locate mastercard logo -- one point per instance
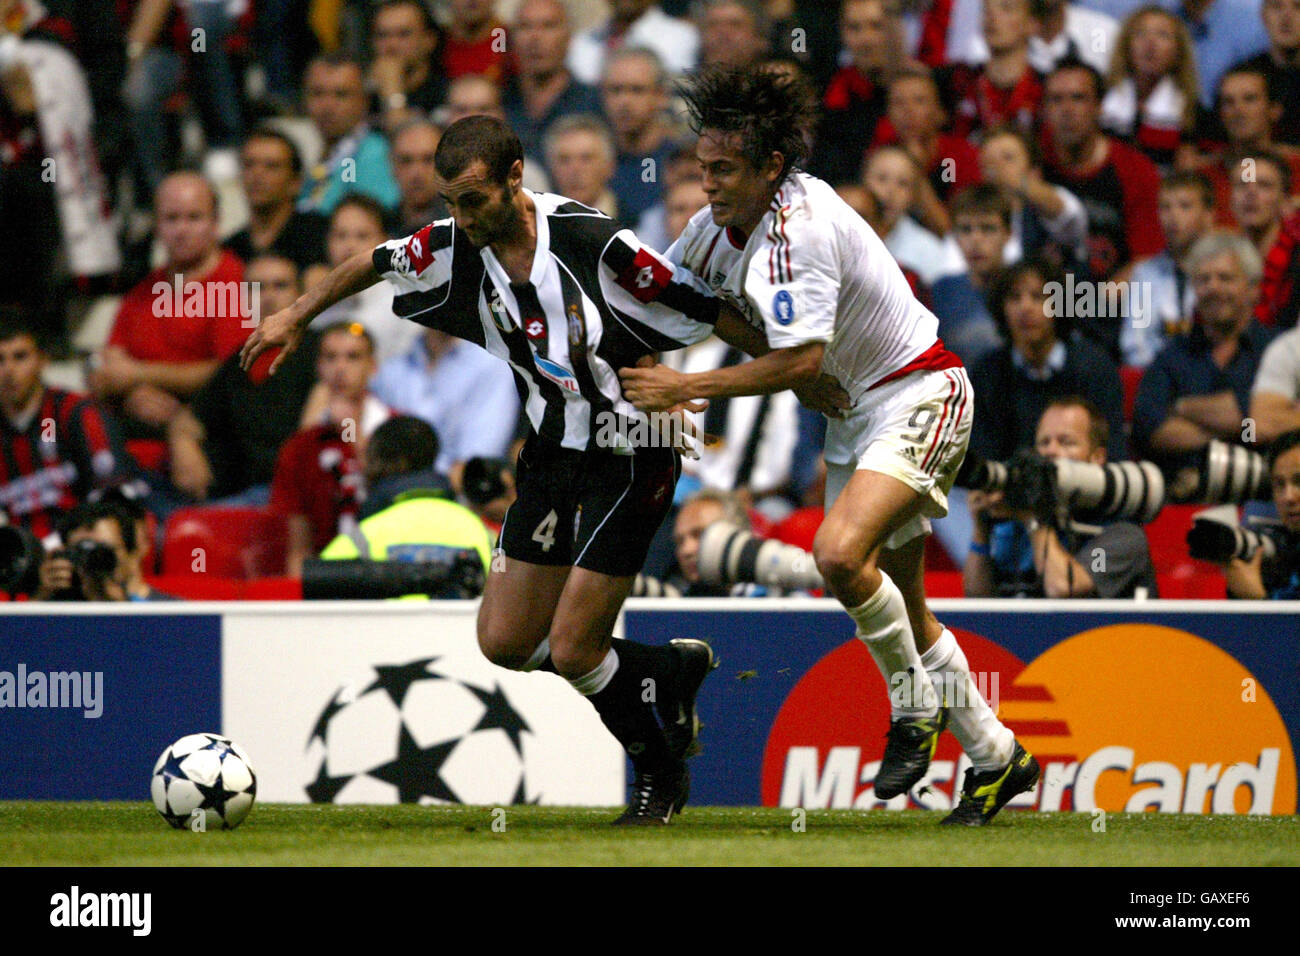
(1128, 717)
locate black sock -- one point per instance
(630, 717)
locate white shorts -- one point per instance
(915, 429)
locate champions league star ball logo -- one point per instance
(415, 736)
(401, 262)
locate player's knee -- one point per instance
(498, 647)
(838, 561)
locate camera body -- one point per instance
(1210, 539)
(22, 554)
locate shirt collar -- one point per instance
(1055, 363)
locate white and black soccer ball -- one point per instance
(414, 735)
(202, 782)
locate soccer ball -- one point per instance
(204, 781)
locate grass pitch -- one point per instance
(132, 834)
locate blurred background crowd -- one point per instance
(1097, 199)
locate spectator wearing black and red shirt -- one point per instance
(1006, 90)
(55, 446)
(1281, 63)
(1117, 184)
(854, 101)
(1261, 183)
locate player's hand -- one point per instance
(277, 331)
(654, 388)
(687, 436)
(56, 574)
(825, 395)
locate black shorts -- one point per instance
(594, 509)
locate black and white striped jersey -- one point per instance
(597, 300)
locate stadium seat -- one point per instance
(239, 543)
(196, 587)
(799, 528)
(943, 584)
(1131, 376)
(272, 589)
(149, 454)
(1167, 537)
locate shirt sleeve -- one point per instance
(1155, 397)
(794, 283)
(670, 306)
(431, 287)
(1279, 370)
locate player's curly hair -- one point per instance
(771, 110)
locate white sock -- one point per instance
(598, 679)
(539, 656)
(883, 626)
(987, 741)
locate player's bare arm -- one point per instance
(284, 329)
(659, 387)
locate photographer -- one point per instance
(1013, 554)
(1279, 579)
(101, 560)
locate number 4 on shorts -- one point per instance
(545, 533)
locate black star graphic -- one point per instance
(325, 788)
(326, 715)
(500, 715)
(396, 679)
(415, 771)
(172, 768)
(215, 796)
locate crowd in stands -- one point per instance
(1099, 200)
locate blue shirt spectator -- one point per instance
(965, 325)
(467, 396)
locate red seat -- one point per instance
(799, 527)
(943, 584)
(273, 589)
(1167, 537)
(236, 543)
(150, 454)
(1131, 376)
(196, 587)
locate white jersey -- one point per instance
(814, 271)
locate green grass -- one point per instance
(132, 834)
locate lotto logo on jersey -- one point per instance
(645, 277)
(783, 307)
(418, 251)
(535, 329)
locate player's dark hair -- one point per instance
(90, 513)
(1004, 283)
(1072, 62)
(401, 445)
(270, 132)
(982, 199)
(1191, 179)
(1281, 445)
(348, 327)
(1098, 427)
(773, 113)
(478, 138)
(16, 322)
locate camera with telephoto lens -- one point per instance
(1057, 488)
(458, 574)
(730, 554)
(1219, 541)
(1223, 474)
